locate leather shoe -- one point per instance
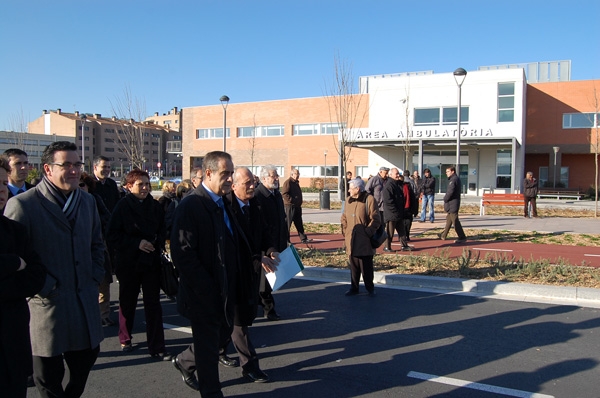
(228, 362)
(272, 316)
(372, 293)
(305, 241)
(460, 240)
(256, 376)
(351, 292)
(385, 249)
(108, 322)
(162, 356)
(189, 378)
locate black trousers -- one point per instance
(294, 214)
(265, 293)
(391, 228)
(48, 372)
(209, 336)
(244, 347)
(361, 265)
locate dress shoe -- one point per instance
(162, 356)
(256, 376)
(305, 241)
(228, 362)
(189, 378)
(351, 292)
(406, 249)
(385, 249)
(108, 322)
(372, 293)
(272, 316)
(128, 347)
(460, 240)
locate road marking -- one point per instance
(492, 250)
(477, 386)
(177, 328)
(592, 255)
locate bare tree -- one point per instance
(595, 144)
(253, 144)
(345, 110)
(407, 138)
(17, 128)
(130, 138)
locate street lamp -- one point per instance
(325, 169)
(83, 120)
(459, 76)
(224, 101)
(556, 149)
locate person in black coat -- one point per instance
(22, 275)
(452, 206)
(136, 232)
(393, 209)
(271, 206)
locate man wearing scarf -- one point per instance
(65, 229)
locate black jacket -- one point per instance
(109, 192)
(428, 186)
(452, 197)
(393, 201)
(530, 188)
(272, 209)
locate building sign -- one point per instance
(362, 135)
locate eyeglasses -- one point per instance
(68, 165)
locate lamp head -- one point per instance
(556, 149)
(459, 76)
(224, 100)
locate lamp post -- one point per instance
(459, 76)
(325, 169)
(556, 149)
(83, 120)
(224, 101)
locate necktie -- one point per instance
(246, 211)
(21, 190)
(225, 216)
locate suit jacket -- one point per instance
(28, 186)
(109, 192)
(15, 287)
(271, 206)
(198, 253)
(64, 315)
(252, 247)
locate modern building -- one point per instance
(33, 144)
(111, 137)
(409, 121)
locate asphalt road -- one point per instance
(399, 344)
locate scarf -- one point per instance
(69, 204)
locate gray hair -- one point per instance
(358, 183)
(266, 170)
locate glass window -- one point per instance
(272, 131)
(305, 129)
(543, 173)
(579, 120)
(306, 171)
(449, 115)
(506, 102)
(246, 131)
(503, 168)
(564, 177)
(362, 172)
(330, 128)
(428, 116)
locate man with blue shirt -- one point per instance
(19, 170)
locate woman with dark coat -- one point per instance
(136, 232)
(22, 275)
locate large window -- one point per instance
(427, 116)
(580, 120)
(210, 133)
(447, 115)
(260, 131)
(506, 102)
(317, 171)
(316, 129)
(503, 168)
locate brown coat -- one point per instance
(360, 220)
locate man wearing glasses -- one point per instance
(65, 229)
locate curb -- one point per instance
(578, 296)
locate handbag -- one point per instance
(380, 235)
(169, 277)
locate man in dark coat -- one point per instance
(393, 209)
(530, 191)
(452, 206)
(271, 206)
(292, 201)
(106, 187)
(22, 275)
(375, 187)
(205, 250)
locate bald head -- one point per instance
(243, 184)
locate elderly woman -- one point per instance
(21, 275)
(136, 232)
(360, 221)
(88, 184)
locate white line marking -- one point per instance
(476, 386)
(492, 250)
(592, 255)
(177, 328)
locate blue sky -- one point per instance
(80, 55)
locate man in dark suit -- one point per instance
(105, 187)
(19, 170)
(271, 206)
(204, 248)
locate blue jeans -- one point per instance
(427, 199)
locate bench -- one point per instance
(560, 193)
(500, 199)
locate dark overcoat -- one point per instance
(271, 206)
(393, 201)
(452, 197)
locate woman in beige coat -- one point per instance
(360, 220)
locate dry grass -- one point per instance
(496, 267)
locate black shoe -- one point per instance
(421, 221)
(228, 362)
(30, 382)
(372, 293)
(385, 249)
(272, 316)
(305, 240)
(460, 240)
(162, 356)
(351, 292)
(406, 248)
(108, 322)
(256, 376)
(127, 347)
(189, 378)
(432, 221)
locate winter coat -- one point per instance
(360, 221)
(375, 187)
(530, 188)
(291, 193)
(428, 186)
(393, 201)
(452, 197)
